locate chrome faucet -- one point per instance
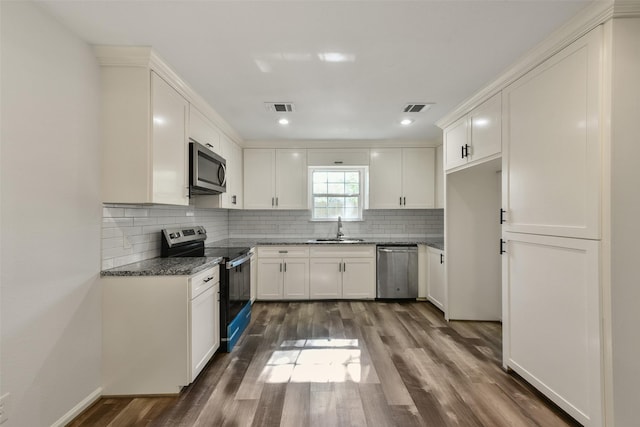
(340, 234)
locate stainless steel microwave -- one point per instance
(207, 170)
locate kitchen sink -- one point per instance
(336, 240)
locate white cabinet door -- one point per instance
(551, 328)
(259, 178)
(169, 144)
(435, 282)
(253, 272)
(203, 131)
(205, 330)
(270, 278)
(358, 278)
(385, 178)
(418, 178)
(325, 278)
(291, 179)
(439, 177)
(552, 144)
(296, 278)
(486, 129)
(456, 137)
(235, 175)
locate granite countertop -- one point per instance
(164, 267)
(436, 242)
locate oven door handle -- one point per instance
(238, 261)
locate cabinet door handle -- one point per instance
(462, 152)
(441, 258)
(344, 267)
(502, 251)
(209, 145)
(276, 201)
(400, 201)
(280, 267)
(233, 200)
(502, 212)
(340, 267)
(404, 201)
(285, 267)
(273, 202)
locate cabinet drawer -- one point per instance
(283, 251)
(340, 251)
(202, 281)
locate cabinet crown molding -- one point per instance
(590, 17)
(147, 57)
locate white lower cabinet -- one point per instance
(283, 272)
(345, 272)
(551, 328)
(158, 331)
(435, 283)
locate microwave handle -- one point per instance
(223, 168)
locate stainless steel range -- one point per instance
(235, 278)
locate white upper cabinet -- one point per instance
(275, 179)
(235, 176)
(170, 160)
(402, 178)
(475, 137)
(203, 131)
(144, 122)
(148, 115)
(551, 163)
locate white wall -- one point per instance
(51, 214)
(625, 198)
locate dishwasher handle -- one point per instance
(398, 249)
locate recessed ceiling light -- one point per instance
(406, 122)
(283, 121)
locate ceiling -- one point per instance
(349, 67)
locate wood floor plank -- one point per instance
(347, 363)
(296, 409)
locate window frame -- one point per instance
(362, 196)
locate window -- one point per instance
(336, 192)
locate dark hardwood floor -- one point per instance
(342, 363)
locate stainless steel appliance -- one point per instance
(207, 170)
(397, 275)
(235, 277)
(235, 292)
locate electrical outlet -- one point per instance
(127, 243)
(4, 408)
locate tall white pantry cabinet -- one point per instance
(570, 129)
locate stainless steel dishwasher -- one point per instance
(397, 275)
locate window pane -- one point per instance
(351, 213)
(335, 176)
(319, 188)
(335, 212)
(321, 212)
(352, 177)
(320, 202)
(319, 177)
(336, 188)
(345, 185)
(352, 188)
(336, 202)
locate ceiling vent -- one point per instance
(417, 107)
(280, 107)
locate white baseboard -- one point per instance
(77, 410)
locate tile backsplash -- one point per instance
(131, 233)
(376, 223)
